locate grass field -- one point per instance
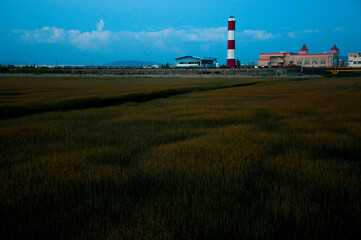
(26, 95)
(216, 159)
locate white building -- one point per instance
(354, 59)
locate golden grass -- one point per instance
(40, 90)
(278, 160)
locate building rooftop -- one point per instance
(304, 48)
(188, 57)
(334, 47)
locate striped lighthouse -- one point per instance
(231, 62)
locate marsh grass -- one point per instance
(44, 94)
(279, 160)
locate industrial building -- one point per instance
(354, 59)
(195, 62)
(303, 58)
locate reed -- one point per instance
(276, 160)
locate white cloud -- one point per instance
(82, 40)
(160, 44)
(192, 35)
(169, 39)
(205, 34)
(291, 35)
(310, 30)
(338, 29)
(259, 34)
(205, 47)
(100, 38)
(295, 34)
(87, 40)
(100, 25)
(45, 34)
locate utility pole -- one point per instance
(57, 62)
(85, 59)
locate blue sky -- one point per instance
(161, 30)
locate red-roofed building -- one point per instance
(303, 58)
(304, 49)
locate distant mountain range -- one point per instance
(131, 63)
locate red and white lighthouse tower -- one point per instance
(231, 62)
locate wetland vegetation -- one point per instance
(222, 158)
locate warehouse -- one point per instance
(195, 62)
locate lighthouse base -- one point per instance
(231, 63)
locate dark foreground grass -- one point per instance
(275, 161)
